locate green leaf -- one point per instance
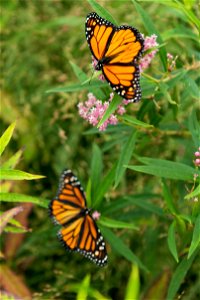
(96, 170)
(151, 29)
(78, 72)
(14, 229)
(145, 205)
(111, 109)
(94, 84)
(179, 275)
(194, 193)
(8, 215)
(14, 222)
(125, 156)
(133, 286)
(188, 13)
(88, 192)
(195, 238)
(107, 222)
(17, 175)
(5, 138)
(194, 128)
(165, 169)
(83, 288)
(172, 241)
(102, 11)
(105, 186)
(13, 160)
(82, 76)
(134, 122)
(168, 197)
(164, 89)
(118, 245)
(181, 32)
(15, 197)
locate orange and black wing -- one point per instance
(84, 237)
(122, 71)
(79, 231)
(117, 50)
(70, 201)
(98, 34)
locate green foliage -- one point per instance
(140, 174)
(133, 286)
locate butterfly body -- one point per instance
(117, 50)
(79, 232)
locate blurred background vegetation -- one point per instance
(40, 40)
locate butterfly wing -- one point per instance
(98, 33)
(83, 236)
(70, 201)
(117, 50)
(79, 231)
(122, 71)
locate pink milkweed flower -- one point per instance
(93, 110)
(197, 159)
(149, 42)
(171, 60)
(197, 162)
(96, 215)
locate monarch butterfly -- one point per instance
(79, 232)
(116, 50)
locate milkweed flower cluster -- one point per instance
(149, 42)
(197, 158)
(93, 110)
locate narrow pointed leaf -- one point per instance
(151, 29)
(107, 222)
(125, 156)
(133, 286)
(172, 241)
(96, 170)
(179, 275)
(195, 238)
(15, 197)
(102, 11)
(17, 175)
(135, 122)
(8, 215)
(104, 187)
(13, 160)
(5, 138)
(111, 109)
(118, 245)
